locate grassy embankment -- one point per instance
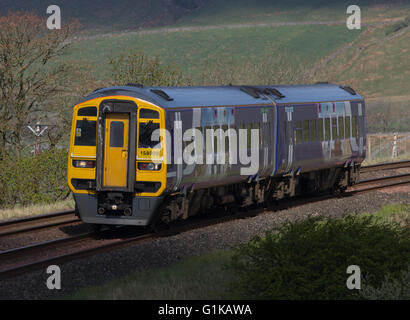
(19, 211)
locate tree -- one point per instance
(30, 72)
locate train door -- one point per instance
(116, 149)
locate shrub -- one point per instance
(390, 289)
(308, 259)
(34, 180)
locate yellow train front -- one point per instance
(115, 175)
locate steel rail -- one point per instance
(386, 166)
(32, 223)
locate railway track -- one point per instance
(386, 166)
(33, 223)
(20, 260)
(65, 217)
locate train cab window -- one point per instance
(117, 134)
(85, 133)
(341, 128)
(354, 126)
(334, 128)
(305, 130)
(146, 130)
(347, 126)
(149, 114)
(320, 129)
(327, 129)
(313, 130)
(87, 112)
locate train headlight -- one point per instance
(84, 164)
(149, 166)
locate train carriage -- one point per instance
(136, 158)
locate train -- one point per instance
(144, 155)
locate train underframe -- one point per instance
(260, 192)
(264, 192)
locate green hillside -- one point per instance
(377, 63)
(191, 50)
(107, 15)
(216, 12)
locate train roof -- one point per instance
(176, 97)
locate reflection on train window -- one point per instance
(305, 130)
(149, 114)
(327, 129)
(85, 133)
(87, 111)
(354, 126)
(146, 130)
(116, 134)
(334, 128)
(347, 125)
(313, 130)
(320, 129)
(341, 128)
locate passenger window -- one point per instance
(305, 130)
(216, 138)
(354, 126)
(256, 126)
(320, 129)
(149, 114)
(225, 137)
(347, 125)
(248, 131)
(313, 130)
(85, 133)
(334, 128)
(298, 132)
(327, 129)
(341, 128)
(117, 134)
